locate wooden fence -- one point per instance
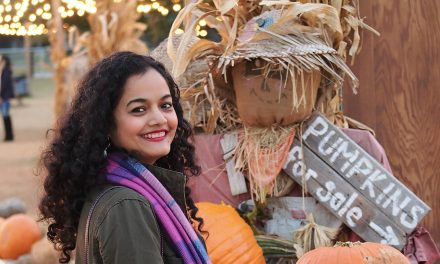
(399, 94)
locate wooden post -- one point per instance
(58, 54)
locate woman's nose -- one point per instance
(157, 117)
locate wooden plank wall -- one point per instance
(399, 95)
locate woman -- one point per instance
(116, 185)
(6, 93)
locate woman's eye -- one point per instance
(138, 110)
(167, 106)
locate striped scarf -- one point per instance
(125, 171)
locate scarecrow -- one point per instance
(270, 65)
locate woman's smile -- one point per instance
(155, 136)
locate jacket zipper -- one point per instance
(160, 234)
(184, 199)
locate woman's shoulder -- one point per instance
(106, 197)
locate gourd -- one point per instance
(353, 253)
(230, 238)
(17, 235)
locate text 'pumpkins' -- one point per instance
(354, 253)
(17, 235)
(230, 239)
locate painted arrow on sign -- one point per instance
(388, 234)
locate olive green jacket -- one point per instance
(123, 227)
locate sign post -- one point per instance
(353, 185)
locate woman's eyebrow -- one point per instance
(137, 100)
(144, 100)
(166, 97)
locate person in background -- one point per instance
(6, 93)
(117, 169)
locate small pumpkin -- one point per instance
(354, 253)
(230, 239)
(17, 235)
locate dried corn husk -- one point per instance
(114, 28)
(312, 236)
(352, 25)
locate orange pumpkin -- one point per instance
(230, 239)
(353, 253)
(17, 235)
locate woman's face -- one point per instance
(145, 118)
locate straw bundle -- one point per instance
(262, 152)
(114, 28)
(313, 236)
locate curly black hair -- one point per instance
(74, 159)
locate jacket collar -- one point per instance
(173, 181)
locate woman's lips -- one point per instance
(155, 136)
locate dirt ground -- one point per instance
(19, 159)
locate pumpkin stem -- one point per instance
(347, 244)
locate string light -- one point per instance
(29, 17)
(155, 5)
(177, 7)
(179, 31)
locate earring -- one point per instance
(105, 150)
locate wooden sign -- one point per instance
(353, 185)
